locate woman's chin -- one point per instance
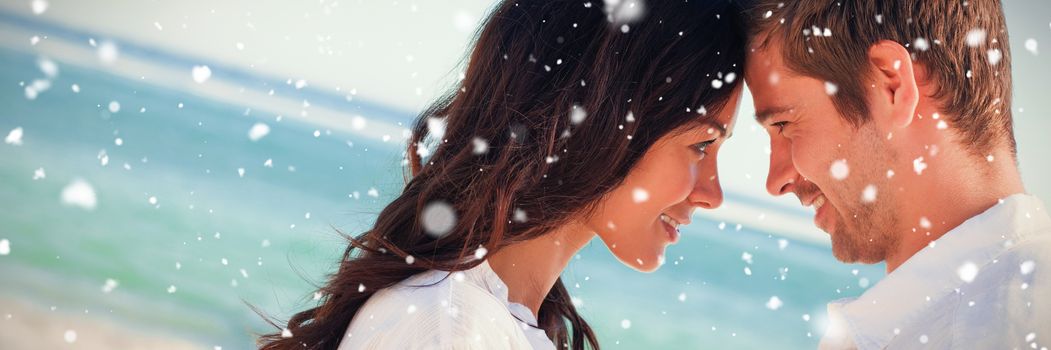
(643, 264)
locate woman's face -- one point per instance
(638, 219)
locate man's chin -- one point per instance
(851, 255)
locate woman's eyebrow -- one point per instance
(711, 125)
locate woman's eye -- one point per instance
(780, 126)
(702, 147)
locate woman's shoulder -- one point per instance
(438, 309)
(433, 290)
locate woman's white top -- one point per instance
(438, 310)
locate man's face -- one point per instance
(843, 171)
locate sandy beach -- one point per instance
(27, 325)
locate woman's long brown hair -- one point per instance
(532, 63)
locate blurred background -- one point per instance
(166, 162)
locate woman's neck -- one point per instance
(530, 269)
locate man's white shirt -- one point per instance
(984, 285)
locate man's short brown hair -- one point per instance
(962, 43)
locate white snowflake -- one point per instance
(918, 165)
(48, 67)
(774, 303)
(831, 88)
(577, 115)
(839, 169)
(107, 52)
(869, 194)
(14, 137)
(201, 74)
(640, 195)
(258, 131)
(110, 285)
(79, 193)
(438, 218)
(39, 6)
(967, 271)
(1027, 267)
(976, 37)
(358, 122)
(70, 336)
(480, 146)
(994, 56)
(520, 216)
(921, 44)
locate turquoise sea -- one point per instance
(188, 240)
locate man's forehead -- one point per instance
(763, 60)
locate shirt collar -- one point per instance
(484, 276)
(872, 319)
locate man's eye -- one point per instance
(780, 126)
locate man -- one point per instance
(893, 120)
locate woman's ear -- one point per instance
(894, 77)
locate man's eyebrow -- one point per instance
(766, 113)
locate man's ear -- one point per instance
(894, 77)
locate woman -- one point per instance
(574, 119)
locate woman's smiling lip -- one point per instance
(670, 225)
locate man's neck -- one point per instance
(530, 269)
(954, 188)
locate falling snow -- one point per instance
(480, 146)
(577, 115)
(639, 195)
(438, 218)
(839, 169)
(108, 52)
(967, 271)
(79, 193)
(925, 223)
(1027, 267)
(921, 44)
(831, 88)
(39, 6)
(70, 336)
(14, 137)
(110, 285)
(918, 166)
(994, 56)
(774, 303)
(975, 37)
(868, 195)
(201, 74)
(258, 131)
